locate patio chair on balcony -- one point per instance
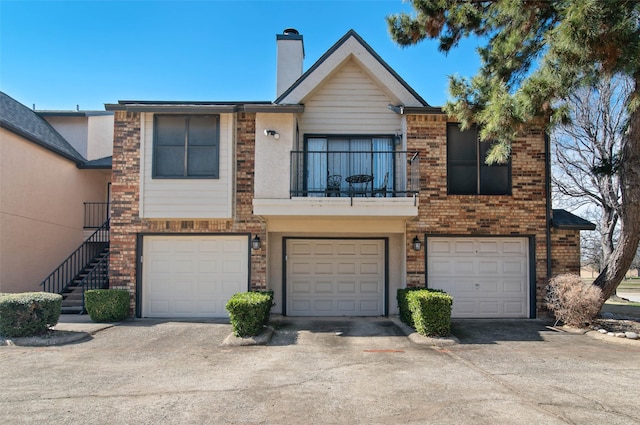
(382, 190)
(333, 185)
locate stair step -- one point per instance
(72, 310)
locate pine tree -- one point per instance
(535, 53)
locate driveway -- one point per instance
(330, 371)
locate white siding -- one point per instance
(349, 103)
(187, 198)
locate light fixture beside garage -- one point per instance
(417, 244)
(273, 133)
(255, 242)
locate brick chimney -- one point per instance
(289, 62)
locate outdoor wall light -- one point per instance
(255, 242)
(417, 244)
(272, 133)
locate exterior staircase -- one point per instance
(86, 268)
(94, 275)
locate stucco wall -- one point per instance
(75, 130)
(41, 210)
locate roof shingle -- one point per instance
(21, 120)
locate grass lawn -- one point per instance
(629, 285)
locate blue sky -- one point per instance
(59, 54)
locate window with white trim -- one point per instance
(186, 146)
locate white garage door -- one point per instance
(192, 276)
(335, 277)
(487, 277)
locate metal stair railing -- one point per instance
(98, 278)
(65, 274)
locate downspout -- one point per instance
(547, 166)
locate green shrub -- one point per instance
(249, 312)
(403, 304)
(107, 305)
(29, 313)
(428, 311)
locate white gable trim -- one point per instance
(351, 45)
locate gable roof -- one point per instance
(19, 119)
(351, 45)
(563, 219)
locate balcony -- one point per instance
(348, 183)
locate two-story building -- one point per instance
(55, 172)
(345, 188)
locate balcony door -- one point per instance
(337, 158)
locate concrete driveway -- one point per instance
(329, 371)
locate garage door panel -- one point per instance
(348, 248)
(514, 267)
(370, 307)
(440, 267)
(373, 249)
(515, 307)
(370, 268)
(301, 287)
(514, 286)
(347, 268)
(351, 273)
(207, 267)
(487, 277)
(464, 247)
(208, 246)
(192, 276)
(323, 288)
(323, 268)
(183, 246)
(346, 307)
(489, 307)
(300, 248)
(462, 267)
(370, 287)
(514, 247)
(345, 287)
(488, 267)
(159, 307)
(325, 306)
(488, 247)
(465, 307)
(323, 249)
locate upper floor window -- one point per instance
(186, 146)
(467, 172)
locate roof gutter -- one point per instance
(547, 172)
(201, 107)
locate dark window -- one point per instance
(467, 172)
(346, 156)
(186, 146)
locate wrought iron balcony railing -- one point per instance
(378, 174)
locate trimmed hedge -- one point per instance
(249, 312)
(29, 313)
(426, 310)
(107, 305)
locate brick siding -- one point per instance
(523, 213)
(126, 223)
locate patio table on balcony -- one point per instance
(358, 184)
